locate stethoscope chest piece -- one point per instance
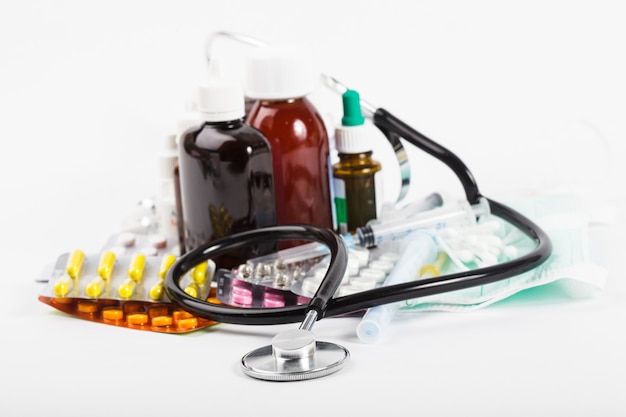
(294, 355)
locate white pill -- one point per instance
(126, 239)
(361, 254)
(389, 256)
(348, 290)
(353, 266)
(157, 241)
(378, 275)
(363, 283)
(149, 251)
(382, 265)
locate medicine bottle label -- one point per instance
(357, 201)
(341, 210)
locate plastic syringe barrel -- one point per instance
(418, 249)
(459, 214)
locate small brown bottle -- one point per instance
(356, 178)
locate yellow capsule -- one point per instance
(156, 292)
(126, 289)
(106, 265)
(166, 263)
(74, 264)
(95, 287)
(135, 269)
(62, 287)
(198, 274)
(192, 290)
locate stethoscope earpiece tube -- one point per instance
(387, 122)
(281, 315)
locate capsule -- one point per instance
(106, 265)
(136, 267)
(156, 292)
(166, 263)
(198, 275)
(74, 264)
(95, 287)
(192, 290)
(127, 288)
(63, 287)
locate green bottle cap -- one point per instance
(352, 115)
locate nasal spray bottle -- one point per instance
(356, 177)
(226, 175)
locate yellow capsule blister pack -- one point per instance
(126, 290)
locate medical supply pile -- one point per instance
(245, 165)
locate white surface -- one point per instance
(530, 94)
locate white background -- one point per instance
(530, 94)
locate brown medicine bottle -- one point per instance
(226, 178)
(356, 177)
(280, 78)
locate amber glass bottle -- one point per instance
(357, 184)
(279, 79)
(226, 178)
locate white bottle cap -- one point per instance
(220, 100)
(355, 134)
(354, 139)
(280, 72)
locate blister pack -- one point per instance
(292, 276)
(126, 290)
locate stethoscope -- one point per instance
(295, 354)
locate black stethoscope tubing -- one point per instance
(322, 302)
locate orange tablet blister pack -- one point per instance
(126, 291)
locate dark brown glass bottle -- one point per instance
(226, 183)
(226, 174)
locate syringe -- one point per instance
(418, 249)
(456, 214)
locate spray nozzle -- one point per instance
(352, 115)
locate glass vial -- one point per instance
(356, 180)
